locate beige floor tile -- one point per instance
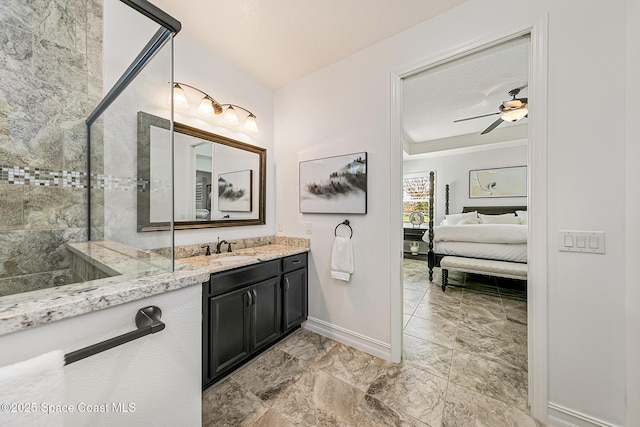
(306, 345)
(229, 404)
(464, 408)
(500, 350)
(350, 365)
(269, 374)
(411, 391)
(441, 332)
(427, 356)
(319, 399)
(431, 311)
(271, 418)
(489, 378)
(373, 413)
(409, 306)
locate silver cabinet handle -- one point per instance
(297, 261)
(286, 284)
(255, 297)
(250, 300)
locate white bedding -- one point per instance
(505, 242)
(514, 252)
(480, 233)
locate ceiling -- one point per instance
(470, 86)
(278, 41)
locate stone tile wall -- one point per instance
(50, 80)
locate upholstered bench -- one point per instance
(489, 267)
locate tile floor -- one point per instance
(464, 364)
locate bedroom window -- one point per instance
(415, 195)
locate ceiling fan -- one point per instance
(510, 111)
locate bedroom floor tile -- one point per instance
(458, 369)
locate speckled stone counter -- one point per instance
(242, 257)
(143, 275)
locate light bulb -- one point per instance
(206, 107)
(179, 98)
(230, 116)
(514, 115)
(250, 124)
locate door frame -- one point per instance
(537, 198)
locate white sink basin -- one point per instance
(232, 258)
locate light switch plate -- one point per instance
(581, 241)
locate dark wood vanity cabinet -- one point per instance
(247, 309)
(294, 291)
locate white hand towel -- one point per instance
(342, 259)
(38, 381)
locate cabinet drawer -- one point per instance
(229, 280)
(294, 262)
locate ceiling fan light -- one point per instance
(511, 104)
(514, 115)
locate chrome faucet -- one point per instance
(220, 243)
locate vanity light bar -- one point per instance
(210, 107)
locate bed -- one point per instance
(479, 232)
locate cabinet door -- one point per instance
(294, 285)
(265, 313)
(229, 329)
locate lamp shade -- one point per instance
(250, 124)
(206, 107)
(230, 116)
(179, 98)
(514, 115)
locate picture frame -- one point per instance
(334, 185)
(235, 191)
(498, 182)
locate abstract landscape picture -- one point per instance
(234, 191)
(334, 185)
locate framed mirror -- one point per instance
(218, 181)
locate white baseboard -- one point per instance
(353, 339)
(559, 416)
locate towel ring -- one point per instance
(345, 222)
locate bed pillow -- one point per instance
(499, 219)
(457, 219)
(524, 217)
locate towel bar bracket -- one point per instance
(147, 321)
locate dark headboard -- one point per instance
(494, 210)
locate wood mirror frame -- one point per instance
(145, 123)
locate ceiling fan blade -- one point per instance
(492, 126)
(476, 117)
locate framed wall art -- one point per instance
(498, 182)
(334, 184)
(234, 191)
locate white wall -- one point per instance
(633, 207)
(346, 108)
(226, 84)
(453, 169)
(159, 373)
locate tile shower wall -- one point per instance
(50, 80)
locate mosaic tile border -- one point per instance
(29, 175)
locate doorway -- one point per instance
(536, 200)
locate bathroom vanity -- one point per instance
(247, 309)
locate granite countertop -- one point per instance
(212, 263)
(136, 274)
